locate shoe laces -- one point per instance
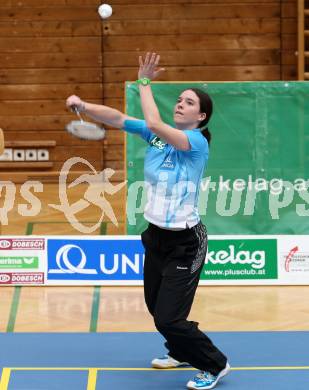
(166, 357)
(204, 376)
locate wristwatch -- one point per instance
(143, 81)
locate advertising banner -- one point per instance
(22, 261)
(118, 260)
(230, 260)
(98, 260)
(257, 260)
(293, 260)
(257, 177)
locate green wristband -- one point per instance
(143, 81)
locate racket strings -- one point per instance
(85, 130)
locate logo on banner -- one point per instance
(22, 278)
(4, 278)
(241, 259)
(19, 262)
(22, 244)
(295, 260)
(65, 265)
(95, 259)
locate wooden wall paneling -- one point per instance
(61, 137)
(91, 153)
(289, 72)
(114, 137)
(198, 11)
(288, 26)
(50, 76)
(47, 13)
(115, 90)
(50, 50)
(153, 2)
(190, 43)
(262, 56)
(213, 73)
(289, 9)
(262, 25)
(116, 165)
(50, 45)
(289, 39)
(51, 92)
(34, 107)
(115, 153)
(53, 60)
(54, 3)
(53, 28)
(58, 165)
(36, 123)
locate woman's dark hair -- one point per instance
(205, 107)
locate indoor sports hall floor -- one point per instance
(102, 338)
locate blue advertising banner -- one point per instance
(78, 260)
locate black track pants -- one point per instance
(173, 263)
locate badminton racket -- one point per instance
(83, 129)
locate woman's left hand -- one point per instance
(149, 66)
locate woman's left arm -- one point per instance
(148, 69)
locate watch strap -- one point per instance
(143, 81)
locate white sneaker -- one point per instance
(205, 380)
(167, 362)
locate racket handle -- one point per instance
(75, 109)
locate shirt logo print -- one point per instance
(168, 163)
(157, 143)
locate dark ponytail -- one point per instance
(205, 107)
(207, 134)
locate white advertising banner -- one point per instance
(293, 260)
(118, 260)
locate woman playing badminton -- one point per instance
(175, 241)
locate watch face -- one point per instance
(145, 82)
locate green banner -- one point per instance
(241, 259)
(257, 178)
(14, 262)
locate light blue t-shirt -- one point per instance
(172, 177)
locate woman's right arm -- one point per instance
(99, 113)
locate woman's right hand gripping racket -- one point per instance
(82, 129)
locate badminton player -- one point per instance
(176, 240)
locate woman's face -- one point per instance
(187, 111)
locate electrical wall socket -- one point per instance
(43, 155)
(19, 155)
(7, 155)
(31, 155)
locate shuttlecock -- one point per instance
(105, 11)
